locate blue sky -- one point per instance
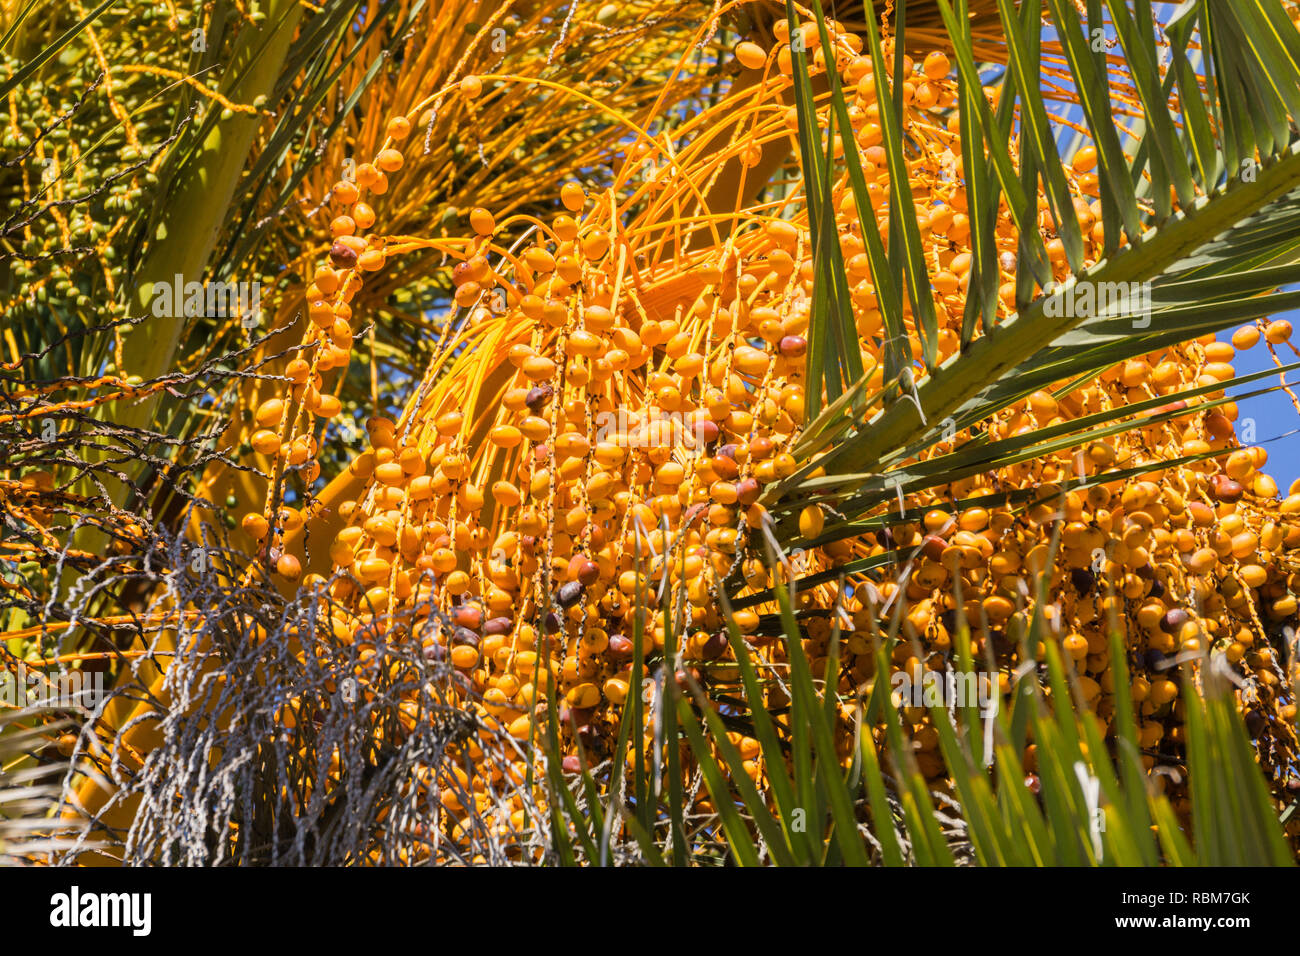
(1276, 419)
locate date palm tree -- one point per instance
(234, 130)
